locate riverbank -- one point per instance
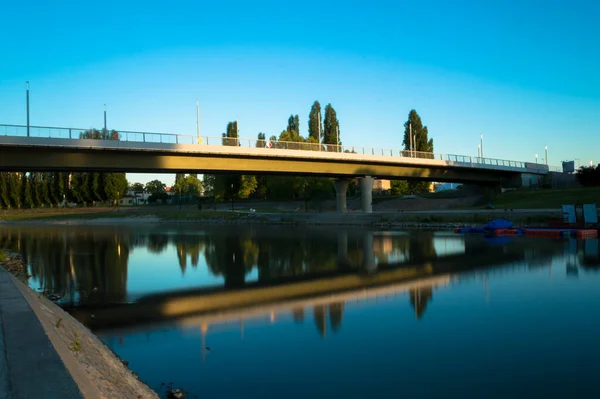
(96, 370)
(440, 219)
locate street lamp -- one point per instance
(104, 117)
(536, 158)
(231, 196)
(27, 99)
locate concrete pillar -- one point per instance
(366, 190)
(341, 186)
(368, 257)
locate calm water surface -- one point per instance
(250, 312)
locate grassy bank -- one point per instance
(547, 198)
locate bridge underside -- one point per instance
(24, 158)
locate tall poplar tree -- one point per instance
(330, 128)
(313, 123)
(422, 146)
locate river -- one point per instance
(299, 312)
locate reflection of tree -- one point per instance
(188, 245)
(157, 243)
(336, 311)
(419, 297)
(421, 247)
(320, 319)
(298, 315)
(232, 257)
(92, 263)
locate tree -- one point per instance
(314, 122)
(4, 190)
(58, 187)
(155, 187)
(193, 186)
(331, 128)
(15, 189)
(137, 187)
(27, 197)
(588, 176)
(230, 137)
(423, 146)
(46, 188)
(247, 187)
(36, 188)
(293, 128)
(260, 141)
(422, 142)
(399, 187)
(115, 186)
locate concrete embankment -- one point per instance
(45, 353)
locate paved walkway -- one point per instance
(29, 365)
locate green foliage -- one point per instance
(46, 188)
(4, 190)
(331, 126)
(3, 256)
(15, 189)
(588, 176)
(36, 188)
(155, 187)
(137, 187)
(27, 195)
(188, 186)
(422, 144)
(230, 137)
(285, 187)
(248, 186)
(313, 122)
(400, 187)
(115, 186)
(293, 128)
(260, 141)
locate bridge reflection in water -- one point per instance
(291, 269)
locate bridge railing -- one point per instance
(170, 138)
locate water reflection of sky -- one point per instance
(152, 273)
(520, 332)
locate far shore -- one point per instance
(191, 215)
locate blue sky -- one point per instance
(523, 73)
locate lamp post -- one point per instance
(232, 197)
(198, 120)
(546, 148)
(536, 158)
(482, 156)
(27, 100)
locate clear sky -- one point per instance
(523, 73)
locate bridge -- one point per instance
(38, 148)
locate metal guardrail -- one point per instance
(171, 138)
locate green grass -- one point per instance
(547, 198)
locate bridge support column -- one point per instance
(341, 186)
(366, 191)
(368, 256)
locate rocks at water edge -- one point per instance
(176, 394)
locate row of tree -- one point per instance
(589, 176)
(30, 189)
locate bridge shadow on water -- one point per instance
(257, 271)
